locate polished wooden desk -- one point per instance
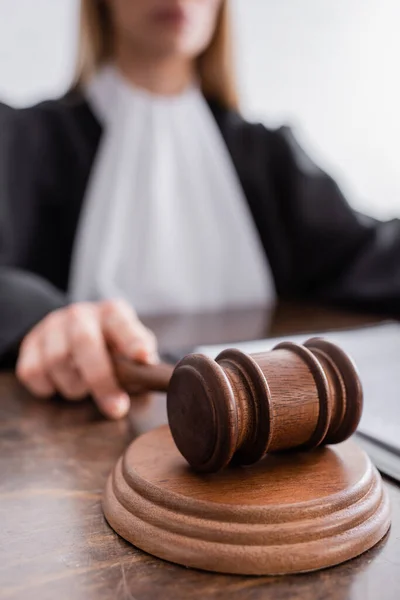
(54, 459)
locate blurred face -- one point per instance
(162, 28)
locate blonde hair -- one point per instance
(215, 64)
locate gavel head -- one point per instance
(238, 407)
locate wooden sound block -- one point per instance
(288, 513)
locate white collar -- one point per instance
(165, 223)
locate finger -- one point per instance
(57, 358)
(89, 352)
(123, 330)
(30, 368)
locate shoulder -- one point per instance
(70, 105)
(279, 146)
(5, 110)
(233, 121)
(48, 147)
(250, 136)
(49, 124)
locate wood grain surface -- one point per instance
(240, 406)
(289, 513)
(54, 461)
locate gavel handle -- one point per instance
(137, 378)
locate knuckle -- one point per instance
(82, 326)
(56, 359)
(27, 367)
(52, 319)
(84, 335)
(75, 312)
(78, 312)
(25, 372)
(118, 306)
(32, 379)
(28, 341)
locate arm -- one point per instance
(338, 256)
(25, 296)
(25, 299)
(42, 179)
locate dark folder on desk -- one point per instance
(376, 352)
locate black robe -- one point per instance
(319, 249)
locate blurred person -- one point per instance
(143, 191)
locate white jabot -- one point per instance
(164, 222)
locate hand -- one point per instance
(67, 352)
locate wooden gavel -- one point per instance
(238, 407)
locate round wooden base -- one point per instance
(288, 513)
